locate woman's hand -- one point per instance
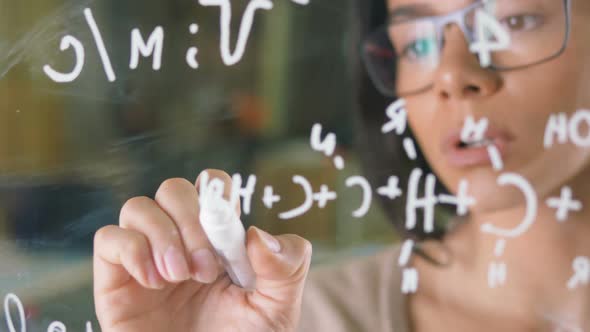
(156, 271)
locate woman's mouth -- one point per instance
(471, 153)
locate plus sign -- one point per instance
(391, 190)
(323, 196)
(564, 204)
(269, 198)
(463, 201)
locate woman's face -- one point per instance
(518, 105)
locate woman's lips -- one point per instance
(459, 156)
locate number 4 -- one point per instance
(490, 36)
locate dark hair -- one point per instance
(383, 155)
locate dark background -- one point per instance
(72, 154)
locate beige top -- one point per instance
(361, 295)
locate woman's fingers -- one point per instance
(171, 231)
(167, 230)
(179, 199)
(281, 264)
(120, 254)
(145, 216)
(161, 241)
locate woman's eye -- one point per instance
(521, 22)
(419, 49)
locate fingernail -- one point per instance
(270, 241)
(176, 264)
(205, 266)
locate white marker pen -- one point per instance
(226, 233)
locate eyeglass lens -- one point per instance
(536, 29)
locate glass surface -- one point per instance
(358, 127)
(71, 154)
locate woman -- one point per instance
(424, 56)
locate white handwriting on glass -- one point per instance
(13, 300)
(563, 129)
(155, 42)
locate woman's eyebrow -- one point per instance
(405, 12)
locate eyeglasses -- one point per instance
(403, 56)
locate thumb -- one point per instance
(281, 264)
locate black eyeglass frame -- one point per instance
(457, 17)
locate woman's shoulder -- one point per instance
(361, 294)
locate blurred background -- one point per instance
(72, 154)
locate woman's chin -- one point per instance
(492, 197)
(487, 205)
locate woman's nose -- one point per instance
(459, 74)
